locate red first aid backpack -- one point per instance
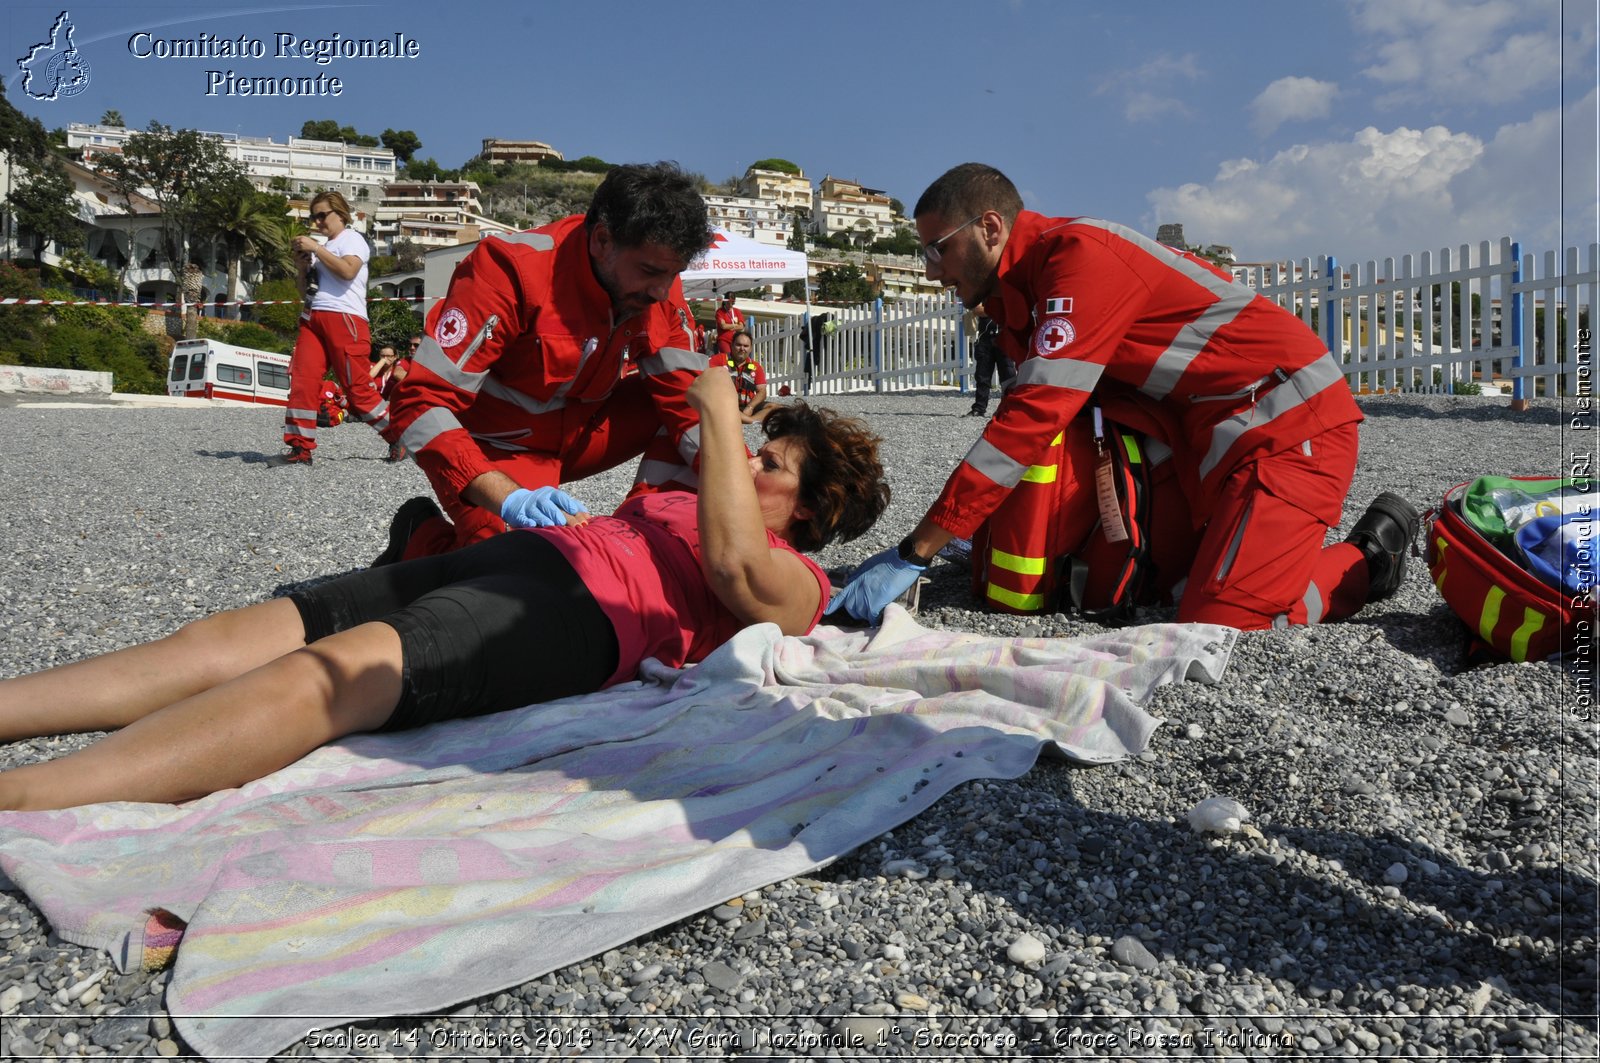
(1513, 612)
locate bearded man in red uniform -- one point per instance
(524, 379)
(1257, 413)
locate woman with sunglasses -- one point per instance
(333, 328)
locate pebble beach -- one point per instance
(1410, 871)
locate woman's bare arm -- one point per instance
(756, 582)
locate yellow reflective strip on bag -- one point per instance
(1040, 474)
(1030, 603)
(1491, 614)
(1438, 581)
(1022, 566)
(1056, 442)
(1532, 621)
(1132, 443)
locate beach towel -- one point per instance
(405, 873)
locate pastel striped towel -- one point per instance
(403, 874)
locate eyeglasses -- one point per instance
(317, 216)
(930, 250)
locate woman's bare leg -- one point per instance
(230, 734)
(113, 690)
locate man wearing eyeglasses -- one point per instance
(523, 379)
(1258, 416)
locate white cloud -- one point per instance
(1468, 51)
(1291, 99)
(1382, 194)
(1148, 91)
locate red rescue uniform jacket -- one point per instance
(522, 351)
(1173, 346)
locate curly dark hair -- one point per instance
(652, 204)
(841, 479)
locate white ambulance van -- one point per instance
(211, 369)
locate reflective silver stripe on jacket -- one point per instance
(1192, 338)
(1313, 604)
(689, 444)
(1058, 373)
(995, 464)
(498, 389)
(432, 357)
(300, 415)
(1286, 397)
(430, 426)
(671, 360)
(377, 417)
(655, 472)
(537, 241)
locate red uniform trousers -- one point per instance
(1260, 561)
(594, 438)
(329, 339)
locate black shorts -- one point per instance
(494, 626)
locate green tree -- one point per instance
(780, 165)
(45, 206)
(322, 129)
(278, 306)
(21, 137)
(246, 223)
(427, 170)
(843, 284)
(408, 255)
(404, 143)
(392, 324)
(112, 117)
(797, 235)
(903, 242)
(182, 171)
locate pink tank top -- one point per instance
(642, 564)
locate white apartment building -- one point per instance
(306, 166)
(848, 208)
(789, 191)
(430, 214)
(759, 219)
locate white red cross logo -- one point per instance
(1053, 334)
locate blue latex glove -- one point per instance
(539, 508)
(881, 579)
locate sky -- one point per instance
(1362, 128)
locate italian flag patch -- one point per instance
(1058, 306)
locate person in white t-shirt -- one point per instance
(333, 328)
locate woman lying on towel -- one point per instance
(524, 617)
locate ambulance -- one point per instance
(211, 369)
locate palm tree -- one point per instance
(245, 222)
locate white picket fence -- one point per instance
(1397, 326)
(1432, 323)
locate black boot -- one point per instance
(412, 514)
(1385, 533)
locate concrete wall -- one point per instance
(34, 381)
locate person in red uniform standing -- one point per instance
(750, 380)
(730, 322)
(333, 329)
(519, 385)
(1256, 411)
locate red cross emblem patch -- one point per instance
(1053, 333)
